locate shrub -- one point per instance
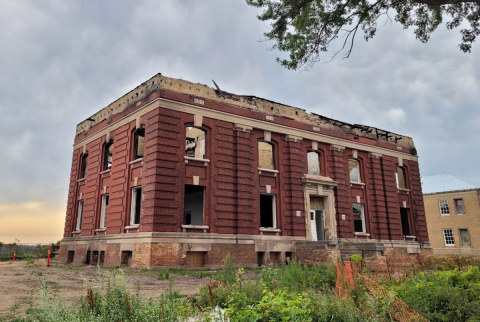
(297, 277)
(444, 295)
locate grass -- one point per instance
(279, 293)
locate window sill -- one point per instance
(100, 230)
(402, 189)
(260, 170)
(106, 171)
(75, 232)
(132, 227)
(136, 161)
(205, 161)
(357, 183)
(362, 234)
(449, 245)
(202, 227)
(410, 237)
(270, 230)
(461, 214)
(83, 179)
(444, 215)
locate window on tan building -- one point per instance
(313, 159)
(354, 170)
(448, 237)
(444, 208)
(195, 143)
(401, 178)
(108, 156)
(139, 141)
(265, 156)
(464, 237)
(459, 207)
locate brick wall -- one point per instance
(231, 179)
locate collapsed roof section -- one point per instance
(244, 101)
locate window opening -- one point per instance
(260, 258)
(358, 218)
(79, 215)
(193, 205)
(405, 217)
(400, 178)
(105, 199)
(83, 167)
(459, 207)
(448, 237)
(136, 206)
(70, 256)
(126, 258)
(354, 170)
(195, 259)
(464, 237)
(444, 209)
(195, 143)
(108, 156)
(139, 145)
(267, 211)
(102, 257)
(88, 259)
(313, 163)
(94, 259)
(265, 156)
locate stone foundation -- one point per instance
(176, 250)
(200, 250)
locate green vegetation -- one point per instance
(444, 295)
(289, 293)
(303, 29)
(22, 252)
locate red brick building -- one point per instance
(179, 174)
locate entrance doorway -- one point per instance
(317, 224)
(317, 218)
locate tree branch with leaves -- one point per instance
(306, 28)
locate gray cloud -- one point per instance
(62, 61)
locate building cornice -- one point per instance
(246, 121)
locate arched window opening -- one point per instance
(195, 145)
(108, 156)
(400, 178)
(139, 143)
(83, 166)
(313, 163)
(265, 156)
(354, 170)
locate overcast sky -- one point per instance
(61, 61)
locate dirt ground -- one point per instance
(17, 280)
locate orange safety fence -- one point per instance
(397, 308)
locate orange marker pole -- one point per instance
(14, 255)
(48, 258)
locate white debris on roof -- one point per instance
(444, 183)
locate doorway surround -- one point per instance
(319, 186)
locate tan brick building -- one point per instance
(453, 215)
